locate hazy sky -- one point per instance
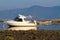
(13, 4)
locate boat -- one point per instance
(21, 24)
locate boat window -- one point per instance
(20, 20)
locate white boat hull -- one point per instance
(20, 24)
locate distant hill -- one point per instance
(38, 12)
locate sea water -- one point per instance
(39, 27)
(48, 27)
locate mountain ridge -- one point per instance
(41, 12)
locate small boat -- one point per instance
(21, 24)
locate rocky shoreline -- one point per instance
(30, 35)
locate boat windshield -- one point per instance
(18, 19)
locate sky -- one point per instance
(14, 4)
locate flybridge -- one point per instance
(22, 16)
